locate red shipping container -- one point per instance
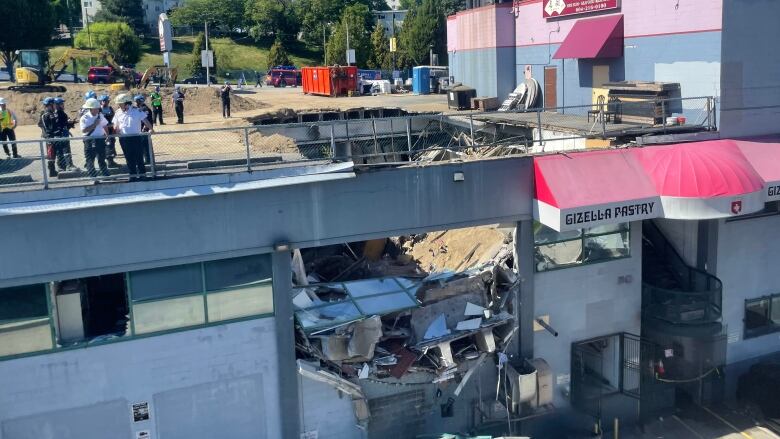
(329, 81)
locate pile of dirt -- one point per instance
(275, 143)
(199, 100)
(456, 249)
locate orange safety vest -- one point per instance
(6, 121)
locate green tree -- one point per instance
(118, 39)
(424, 29)
(317, 16)
(65, 15)
(275, 18)
(277, 55)
(358, 20)
(128, 11)
(194, 67)
(25, 24)
(228, 14)
(380, 49)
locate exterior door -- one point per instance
(600, 77)
(550, 87)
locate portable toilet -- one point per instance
(421, 80)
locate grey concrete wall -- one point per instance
(683, 235)
(327, 411)
(747, 259)
(586, 302)
(203, 381)
(750, 82)
(376, 203)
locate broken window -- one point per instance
(762, 316)
(24, 320)
(328, 305)
(88, 309)
(563, 249)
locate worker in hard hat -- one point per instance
(90, 94)
(94, 127)
(7, 127)
(65, 123)
(50, 130)
(140, 103)
(178, 104)
(157, 110)
(108, 112)
(128, 123)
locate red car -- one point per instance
(107, 75)
(283, 78)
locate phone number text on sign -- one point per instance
(561, 8)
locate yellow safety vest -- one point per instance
(6, 121)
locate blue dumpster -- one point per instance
(421, 80)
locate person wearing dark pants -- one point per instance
(140, 103)
(93, 127)
(178, 104)
(128, 122)
(7, 126)
(50, 130)
(108, 112)
(224, 95)
(157, 106)
(65, 124)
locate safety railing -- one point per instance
(421, 138)
(681, 294)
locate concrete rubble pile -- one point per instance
(373, 313)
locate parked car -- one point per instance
(100, 75)
(283, 78)
(4, 76)
(199, 79)
(68, 77)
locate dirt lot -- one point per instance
(27, 106)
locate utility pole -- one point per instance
(72, 39)
(324, 59)
(208, 77)
(347, 54)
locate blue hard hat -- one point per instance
(104, 98)
(89, 95)
(139, 98)
(47, 101)
(59, 100)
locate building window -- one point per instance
(762, 316)
(554, 250)
(25, 323)
(195, 294)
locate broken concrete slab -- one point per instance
(365, 335)
(452, 308)
(435, 293)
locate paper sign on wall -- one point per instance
(140, 411)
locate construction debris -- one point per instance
(436, 305)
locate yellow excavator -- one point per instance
(36, 74)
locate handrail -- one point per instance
(699, 298)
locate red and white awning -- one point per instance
(764, 157)
(702, 180)
(592, 188)
(690, 181)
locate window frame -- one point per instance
(770, 327)
(131, 334)
(582, 238)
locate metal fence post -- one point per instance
(409, 137)
(42, 145)
(152, 164)
(714, 113)
(333, 140)
(663, 114)
(248, 153)
(539, 126)
(471, 129)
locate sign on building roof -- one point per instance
(562, 8)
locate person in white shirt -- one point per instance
(129, 120)
(94, 127)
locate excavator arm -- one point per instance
(168, 75)
(59, 66)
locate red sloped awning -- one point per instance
(702, 180)
(586, 189)
(764, 157)
(600, 37)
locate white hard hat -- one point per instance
(91, 103)
(123, 98)
(2, 101)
